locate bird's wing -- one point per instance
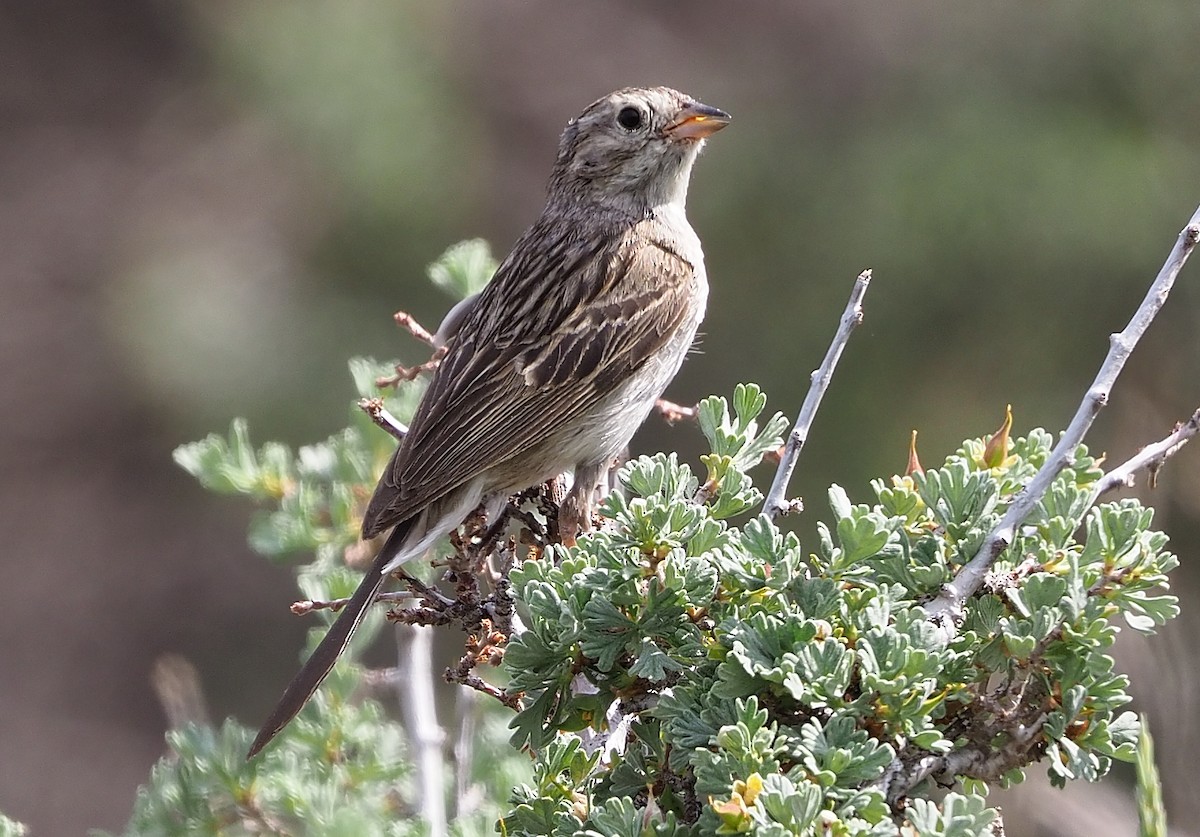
(558, 328)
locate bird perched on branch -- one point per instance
(561, 357)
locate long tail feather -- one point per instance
(319, 664)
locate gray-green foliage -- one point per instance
(313, 494)
(689, 669)
(12, 828)
(1152, 814)
(688, 676)
(310, 783)
(464, 269)
(342, 770)
(342, 767)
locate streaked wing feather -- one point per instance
(535, 352)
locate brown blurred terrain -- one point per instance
(207, 207)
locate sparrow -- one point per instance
(559, 359)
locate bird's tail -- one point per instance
(319, 664)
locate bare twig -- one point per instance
(373, 407)
(307, 606)
(409, 323)
(490, 619)
(409, 373)
(467, 794)
(414, 643)
(673, 413)
(463, 676)
(1152, 457)
(425, 591)
(946, 608)
(977, 760)
(775, 503)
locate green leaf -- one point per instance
(958, 816)
(1152, 814)
(652, 663)
(861, 537)
(12, 828)
(733, 665)
(794, 805)
(231, 465)
(463, 269)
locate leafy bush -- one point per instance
(687, 668)
(710, 679)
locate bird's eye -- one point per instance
(630, 118)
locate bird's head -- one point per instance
(633, 149)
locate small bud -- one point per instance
(996, 450)
(749, 789)
(734, 816)
(914, 463)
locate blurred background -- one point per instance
(207, 207)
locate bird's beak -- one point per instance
(696, 121)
